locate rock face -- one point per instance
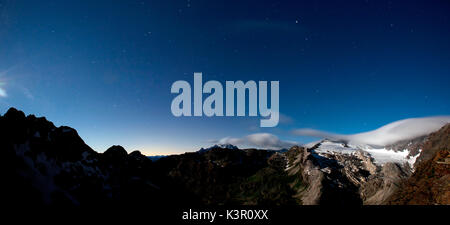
(430, 183)
(41, 160)
(343, 179)
(47, 165)
(383, 184)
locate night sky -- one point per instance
(105, 68)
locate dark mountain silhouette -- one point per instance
(48, 165)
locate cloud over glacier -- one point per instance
(259, 140)
(385, 135)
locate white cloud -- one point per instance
(385, 135)
(3, 93)
(258, 140)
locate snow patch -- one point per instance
(335, 147)
(412, 159)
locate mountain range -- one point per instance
(48, 165)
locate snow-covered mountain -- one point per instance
(362, 172)
(390, 134)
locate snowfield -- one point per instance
(383, 156)
(380, 155)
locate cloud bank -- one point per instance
(385, 135)
(258, 140)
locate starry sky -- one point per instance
(105, 68)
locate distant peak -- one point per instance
(227, 146)
(116, 150)
(222, 146)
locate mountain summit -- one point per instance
(221, 146)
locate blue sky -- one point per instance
(105, 67)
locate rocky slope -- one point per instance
(430, 183)
(409, 172)
(344, 179)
